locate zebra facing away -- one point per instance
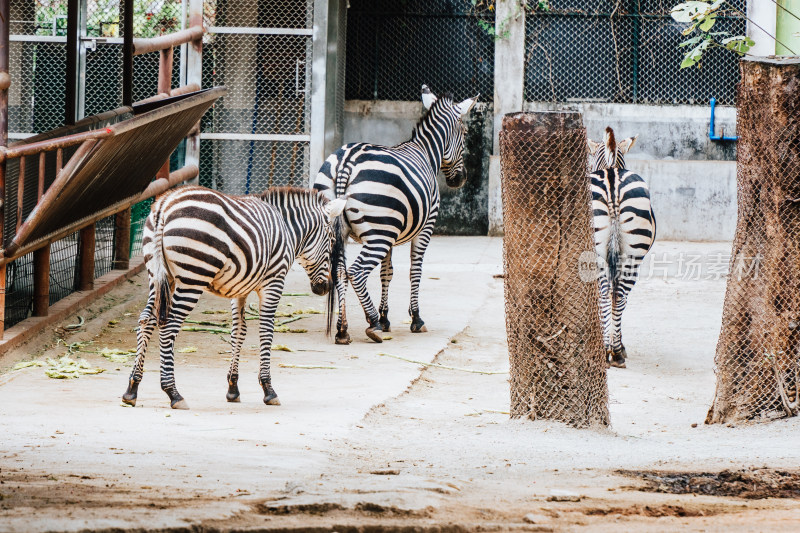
(624, 231)
(196, 239)
(393, 198)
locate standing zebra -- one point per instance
(624, 231)
(196, 239)
(393, 198)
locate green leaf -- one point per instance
(690, 11)
(691, 42)
(708, 23)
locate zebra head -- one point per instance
(316, 243)
(442, 132)
(609, 153)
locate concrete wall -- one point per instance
(692, 179)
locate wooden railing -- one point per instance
(163, 179)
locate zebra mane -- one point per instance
(285, 193)
(446, 98)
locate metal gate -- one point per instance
(258, 135)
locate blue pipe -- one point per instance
(711, 128)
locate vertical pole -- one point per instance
(194, 74)
(319, 76)
(41, 281)
(164, 86)
(122, 240)
(86, 254)
(5, 83)
(509, 88)
(127, 53)
(71, 81)
(637, 28)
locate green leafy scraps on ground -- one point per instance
(116, 356)
(281, 348)
(65, 368)
(282, 365)
(287, 329)
(27, 364)
(188, 349)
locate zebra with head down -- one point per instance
(624, 231)
(393, 198)
(196, 239)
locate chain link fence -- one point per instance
(395, 47)
(258, 135)
(757, 358)
(555, 342)
(623, 51)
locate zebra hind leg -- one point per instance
(371, 254)
(238, 332)
(418, 247)
(387, 271)
(269, 297)
(147, 323)
(184, 300)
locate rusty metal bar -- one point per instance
(40, 190)
(54, 144)
(154, 44)
(20, 191)
(160, 185)
(5, 22)
(122, 240)
(86, 258)
(59, 160)
(25, 229)
(174, 92)
(164, 86)
(41, 281)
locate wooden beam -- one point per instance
(41, 281)
(86, 258)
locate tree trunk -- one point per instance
(552, 319)
(757, 352)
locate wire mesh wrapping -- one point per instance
(758, 352)
(623, 51)
(555, 343)
(395, 47)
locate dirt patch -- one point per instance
(654, 511)
(365, 508)
(750, 484)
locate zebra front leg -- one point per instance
(269, 297)
(387, 271)
(238, 332)
(183, 300)
(418, 247)
(371, 254)
(342, 337)
(147, 323)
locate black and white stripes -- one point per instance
(393, 198)
(625, 228)
(197, 239)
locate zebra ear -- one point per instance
(428, 98)
(465, 106)
(336, 207)
(627, 144)
(593, 146)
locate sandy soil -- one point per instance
(378, 443)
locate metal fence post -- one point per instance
(194, 75)
(41, 281)
(86, 252)
(122, 240)
(5, 83)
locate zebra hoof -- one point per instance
(419, 328)
(233, 398)
(386, 327)
(375, 334)
(343, 338)
(272, 399)
(180, 404)
(130, 395)
(617, 364)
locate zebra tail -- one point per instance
(337, 258)
(613, 253)
(160, 273)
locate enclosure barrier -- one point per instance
(758, 352)
(84, 176)
(555, 343)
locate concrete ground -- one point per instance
(374, 442)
